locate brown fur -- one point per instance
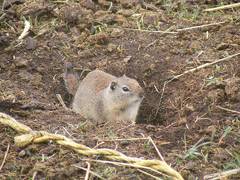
(95, 99)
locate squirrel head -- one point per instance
(125, 91)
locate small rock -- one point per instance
(127, 59)
(116, 32)
(22, 153)
(19, 62)
(216, 95)
(111, 47)
(222, 46)
(232, 89)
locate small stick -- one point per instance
(88, 171)
(149, 31)
(129, 139)
(223, 7)
(5, 157)
(59, 97)
(204, 66)
(126, 164)
(200, 26)
(26, 29)
(91, 172)
(229, 110)
(34, 175)
(148, 174)
(221, 175)
(158, 152)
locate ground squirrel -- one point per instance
(102, 97)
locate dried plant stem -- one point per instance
(229, 110)
(91, 172)
(200, 26)
(5, 157)
(88, 171)
(223, 7)
(127, 164)
(154, 145)
(204, 66)
(221, 175)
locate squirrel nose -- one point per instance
(141, 94)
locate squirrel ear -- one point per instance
(124, 75)
(113, 85)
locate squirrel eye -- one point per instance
(125, 89)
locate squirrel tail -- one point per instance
(71, 78)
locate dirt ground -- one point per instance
(194, 120)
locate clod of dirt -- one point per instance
(111, 47)
(31, 43)
(151, 19)
(126, 12)
(87, 53)
(222, 46)
(108, 18)
(35, 9)
(20, 62)
(8, 3)
(116, 32)
(220, 154)
(89, 4)
(232, 89)
(100, 38)
(104, 3)
(129, 4)
(216, 95)
(4, 39)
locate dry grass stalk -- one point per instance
(200, 26)
(154, 145)
(204, 66)
(91, 172)
(59, 97)
(221, 175)
(42, 136)
(229, 110)
(223, 7)
(129, 165)
(88, 171)
(26, 29)
(5, 157)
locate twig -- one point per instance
(126, 164)
(88, 171)
(221, 175)
(148, 174)
(34, 175)
(59, 97)
(5, 157)
(223, 7)
(204, 66)
(91, 172)
(26, 29)
(200, 26)
(151, 31)
(128, 139)
(229, 110)
(158, 152)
